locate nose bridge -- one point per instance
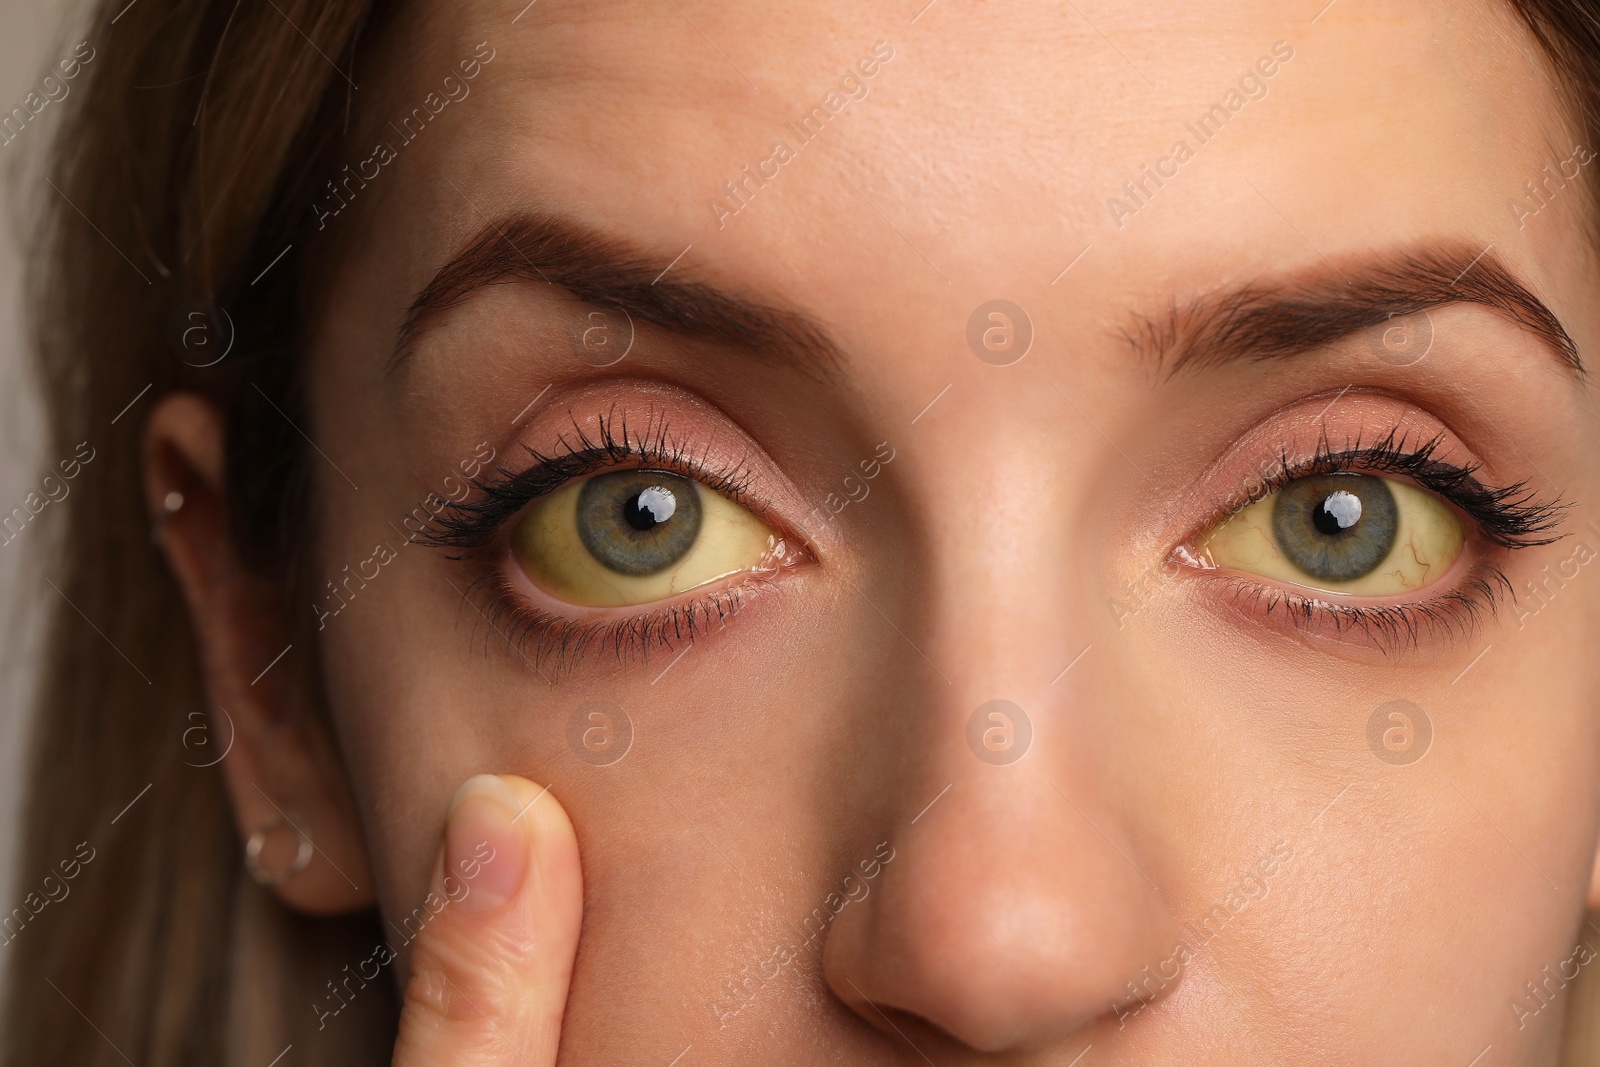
(1018, 907)
(1005, 573)
(1021, 903)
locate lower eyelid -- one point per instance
(548, 543)
(531, 616)
(1453, 614)
(541, 635)
(1451, 606)
(520, 584)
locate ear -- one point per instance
(282, 764)
(1594, 885)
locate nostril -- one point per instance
(908, 1027)
(982, 943)
(980, 1030)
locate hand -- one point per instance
(490, 970)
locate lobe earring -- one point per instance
(258, 841)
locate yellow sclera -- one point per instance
(548, 545)
(1428, 540)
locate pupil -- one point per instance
(1338, 512)
(650, 508)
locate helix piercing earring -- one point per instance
(258, 841)
(171, 504)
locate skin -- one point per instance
(1192, 740)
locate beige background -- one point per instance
(31, 31)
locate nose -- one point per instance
(1014, 913)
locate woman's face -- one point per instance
(974, 324)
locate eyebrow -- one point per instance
(1275, 320)
(610, 274)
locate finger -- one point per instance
(491, 967)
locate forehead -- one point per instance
(1173, 145)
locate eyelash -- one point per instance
(473, 526)
(1512, 517)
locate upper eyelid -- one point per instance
(1347, 460)
(476, 521)
(1284, 472)
(1511, 516)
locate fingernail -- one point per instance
(485, 844)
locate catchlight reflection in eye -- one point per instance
(1342, 533)
(636, 536)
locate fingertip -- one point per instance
(494, 786)
(489, 976)
(486, 844)
(554, 845)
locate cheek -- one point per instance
(678, 826)
(715, 837)
(404, 693)
(1461, 868)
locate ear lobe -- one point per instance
(283, 771)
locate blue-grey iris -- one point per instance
(1336, 527)
(638, 522)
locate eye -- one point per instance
(636, 536)
(1341, 533)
